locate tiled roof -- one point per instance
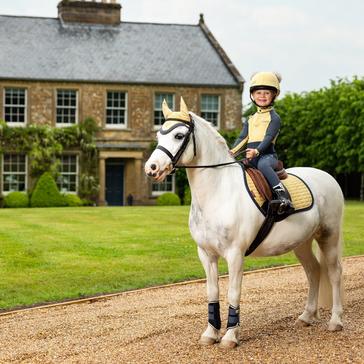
(47, 49)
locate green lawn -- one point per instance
(57, 253)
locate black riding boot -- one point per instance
(283, 196)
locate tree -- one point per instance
(325, 128)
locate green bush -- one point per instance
(86, 202)
(168, 199)
(324, 128)
(46, 193)
(16, 199)
(72, 200)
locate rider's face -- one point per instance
(263, 97)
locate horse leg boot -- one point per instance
(312, 269)
(210, 264)
(234, 260)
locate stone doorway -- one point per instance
(114, 183)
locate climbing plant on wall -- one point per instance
(44, 145)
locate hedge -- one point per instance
(168, 199)
(16, 199)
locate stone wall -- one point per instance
(140, 130)
(92, 102)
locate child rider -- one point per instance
(260, 133)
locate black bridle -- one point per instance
(191, 132)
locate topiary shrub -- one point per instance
(46, 193)
(72, 200)
(168, 199)
(16, 199)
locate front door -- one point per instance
(114, 182)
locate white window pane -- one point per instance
(15, 105)
(165, 186)
(158, 100)
(116, 108)
(66, 107)
(14, 172)
(68, 178)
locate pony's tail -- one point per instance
(325, 288)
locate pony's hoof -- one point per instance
(301, 323)
(335, 326)
(207, 341)
(228, 344)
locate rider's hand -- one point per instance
(251, 153)
(231, 153)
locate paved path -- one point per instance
(163, 325)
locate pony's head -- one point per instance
(173, 143)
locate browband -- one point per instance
(177, 119)
(163, 132)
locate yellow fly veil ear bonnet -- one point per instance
(266, 80)
(175, 117)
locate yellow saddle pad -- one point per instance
(300, 193)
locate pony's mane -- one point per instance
(206, 123)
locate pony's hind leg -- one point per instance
(210, 264)
(330, 255)
(312, 269)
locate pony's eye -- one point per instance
(179, 136)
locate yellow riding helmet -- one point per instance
(265, 80)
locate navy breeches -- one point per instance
(266, 164)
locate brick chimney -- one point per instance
(90, 12)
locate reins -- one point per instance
(209, 165)
(214, 165)
(191, 131)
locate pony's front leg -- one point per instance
(234, 260)
(210, 265)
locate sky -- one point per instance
(309, 42)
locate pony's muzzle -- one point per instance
(154, 171)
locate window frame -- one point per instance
(155, 126)
(12, 123)
(63, 125)
(68, 174)
(158, 193)
(218, 126)
(3, 174)
(117, 126)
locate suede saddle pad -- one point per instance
(300, 193)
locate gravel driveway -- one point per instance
(163, 325)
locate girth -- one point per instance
(264, 229)
(301, 197)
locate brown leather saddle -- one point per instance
(265, 191)
(260, 181)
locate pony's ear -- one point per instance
(183, 108)
(166, 110)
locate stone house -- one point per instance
(87, 62)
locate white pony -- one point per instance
(224, 221)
